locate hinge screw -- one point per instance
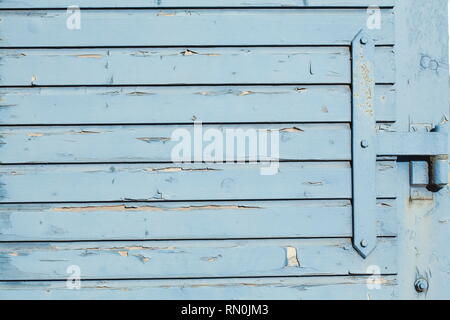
(364, 243)
(364, 40)
(421, 285)
(364, 144)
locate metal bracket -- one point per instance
(363, 145)
(425, 149)
(367, 145)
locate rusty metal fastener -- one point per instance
(421, 285)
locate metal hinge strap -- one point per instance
(412, 144)
(364, 155)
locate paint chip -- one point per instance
(166, 14)
(291, 256)
(153, 139)
(292, 130)
(85, 132)
(139, 93)
(178, 169)
(188, 52)
(245, 93)
(95, 56)
(313, 183)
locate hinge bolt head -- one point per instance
(364, 144)
(364, 40)
(364, 243)
(421, 285)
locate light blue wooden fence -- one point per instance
(85, 142)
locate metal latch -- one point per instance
(367, 145)
(431, 147)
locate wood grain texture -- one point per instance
(104, 144)
(187, 220)
(111, 182)
(28, 4)
(160, 66)
(191, 259)
(315, 288)
(190, 27)
(147, 105)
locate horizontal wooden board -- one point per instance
(23, 4)
(187, 220)
(147, 105)
(192, 259)
(160, 66)
(310, 288)
(154, 27)
(156, 143)
(110, 182)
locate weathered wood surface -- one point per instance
(147, 105)
(113, 91)
(28, 4)
(281, 65)
(154, 27)
(155, 143)
(187, 220)
(111, 182)
(310, 288)
(191, 259)
(98, 144)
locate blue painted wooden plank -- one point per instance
(186, 220)
(284, 65)
(25, 4)
(181, 66)
(174, 66)
(227, 104)
(190, 27)
(191, 259)
(107, 182)
(312, 288)
(156, 143)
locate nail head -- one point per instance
(364, 144)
